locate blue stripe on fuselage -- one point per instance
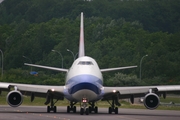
(87, 86)
(81, 82)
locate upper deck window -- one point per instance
(85, 63)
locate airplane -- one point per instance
(84, 85)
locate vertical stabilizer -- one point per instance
(81, 39)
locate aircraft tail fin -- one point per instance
(81, 39)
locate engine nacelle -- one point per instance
(14, 98)
(151, 101)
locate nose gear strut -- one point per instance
(83, 106)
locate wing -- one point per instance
(140, 91)
(35, 90)
(47, 67)
(118, 68)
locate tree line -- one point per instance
(155, 15)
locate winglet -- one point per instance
(81, 39)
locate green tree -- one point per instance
(121, 79)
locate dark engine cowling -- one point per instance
(151, 101)
(14, 98)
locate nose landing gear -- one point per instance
(84, 108)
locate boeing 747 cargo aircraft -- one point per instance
(84, 85)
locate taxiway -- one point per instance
(39, 113)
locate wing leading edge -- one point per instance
(141, 89)
(40, 90)
(118, 68)
(47, 67)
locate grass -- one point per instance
(124, 104)
(171, 98)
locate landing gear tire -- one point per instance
(74, 109)
(48, 109)
(68, 109)
(51, 108)
(110, 110)
(90, 109)
(96, 109)
(87, 111)
(116, 110)
(55, 109)
(82, 111)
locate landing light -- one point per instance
(114, 91)
(15, 88)
(53, 90)
(84, 100)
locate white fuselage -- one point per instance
(84, 80)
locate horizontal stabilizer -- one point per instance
(47, 67)
(118, 68)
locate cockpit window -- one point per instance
(85, 63)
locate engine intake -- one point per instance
(14, 98)
(151, 101)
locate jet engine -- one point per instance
(14, 98)
(151, 101)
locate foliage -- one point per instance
(155, 15)
(24, 76)
(121, 79)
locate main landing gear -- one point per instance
(93, 108)
(71, 107)
(114, 103)
(52, 107)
